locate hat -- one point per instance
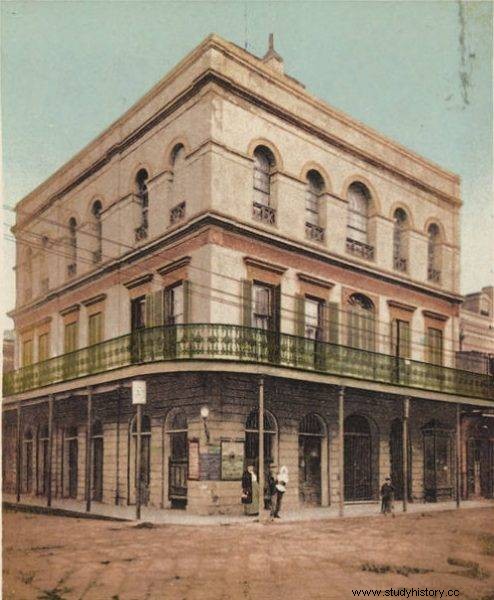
(388, 479)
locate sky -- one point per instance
(419, 72)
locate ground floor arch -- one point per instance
(312, 450)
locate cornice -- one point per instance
(70, 309)
(173, 266)
(315, 280)
(260, 264)
(434, 315)
(402, 306)
(94, 300)
(138, 280)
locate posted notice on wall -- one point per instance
(232, 460)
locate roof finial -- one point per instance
(271, 41)
(272, 58)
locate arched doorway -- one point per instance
(178, 459)
(28, 461)
(97, 452)
(480, 461)
(310, 435)
(71, 456)
(358, 459)
(396, 459)
(252, 439)
(145, 461)
(42, 460)
(438, 472)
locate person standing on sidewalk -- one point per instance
(387, 497)
(281, 483)
(270, 490)
(250, 492)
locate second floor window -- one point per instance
(434, 346)
(358, 213)
(314, 310)
(174, 305)
(70, 337)
(95, 328)
(72, 266)
(43, 347)
(137, 313)
(143, 199)
(433, 254)
(361, 322)
(315, 187)
(262, 306)
(27, 353)
(401, 342)
(263, 166)
(96, 212)
(399, 251)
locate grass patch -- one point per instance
(470, 568)
(372, 567)
(487, 543)
(56, 593)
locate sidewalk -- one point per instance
(156, 516)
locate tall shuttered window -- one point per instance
(434, 346)
(174, 305)
(43, 347)
(401, 339)
(27, 353)
(70, 337)
(361, 322)
(95, 328)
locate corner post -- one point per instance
(341, 447)
(138, 461)
(261, 447)
(458, 455)
(89, 435)
(406, 414)
(18, 456)
(50, 449)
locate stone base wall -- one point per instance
(230, 399)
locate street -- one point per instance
(60, 558)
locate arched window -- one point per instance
(264, 163)
(314, 189)
(433, 255)
(361, 322)
(179, 184)
(176, 428)
(358, 458)
(252, 438)
(143, 199)
(72, 266)
(399, 250)
(358, 212)
(96, 212)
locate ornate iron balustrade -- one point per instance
(400, 264)
(314, 232)
(141, 233)
(264, 213)
(434, 275)
(177, 213)
(71, 269)
(248, 345)
(360, 249)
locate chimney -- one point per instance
(272, 59)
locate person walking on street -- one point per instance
(281, 483)
(250, 492)
(270, 490)
(387, 497)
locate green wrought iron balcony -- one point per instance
(248, 345)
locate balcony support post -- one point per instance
(89, 436)
(117, 458)
(406, 414)
(138, 461)
(458, 455)
(261, 448)
(18, 455)
(50, 449)
(341, 449)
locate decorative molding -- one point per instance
(94, 300)
(260, 264)
(138, 280)
(173, 266)
(315, 280)
(434, 315)
(402, 306)
(70, 309)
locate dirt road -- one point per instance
(60, 558)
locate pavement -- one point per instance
(99, 510)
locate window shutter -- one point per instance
(187, 298)
(370, 325)
(333, 322)
(394, 337)
(149, 311)
(247, 303)
(300, 315)
(158, 315)
(277, 308)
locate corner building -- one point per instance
(231, 230)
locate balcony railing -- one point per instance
(248, 345)
(400, 264)
(314, 232)
(266, 214)
(434, 275)
(141, 233)
(71, 269)
(360, 249)
(177, 213)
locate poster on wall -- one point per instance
(232, 460)
(194, 459)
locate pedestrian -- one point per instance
(281, 483)
(387, 497)
(270, 489)
(250, 492)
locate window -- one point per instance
(437, 461)
(95, 328)
(434, 346)
(433, 270)
(143, 199)
(28, 269)
(43, 271)
(263, 166)
(70, 337)
(262, 306)
(27, 353)
(399, 252)
(358, 212)
(252, 439)
(96, 212)
(315, 187)
(174, 305)
(361, 322)
(43, 347)
(72, 266)
(137, 313)
(401, 339)
(313, 318)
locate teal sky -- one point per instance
(71, 68)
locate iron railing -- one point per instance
(360, 249)
(314, 232)
(246, 344)
(264, 213)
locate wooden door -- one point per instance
(178, 467)
(72, 474)
(310, 469)
(358, 476)
(98, 469)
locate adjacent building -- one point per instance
(229, 237)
